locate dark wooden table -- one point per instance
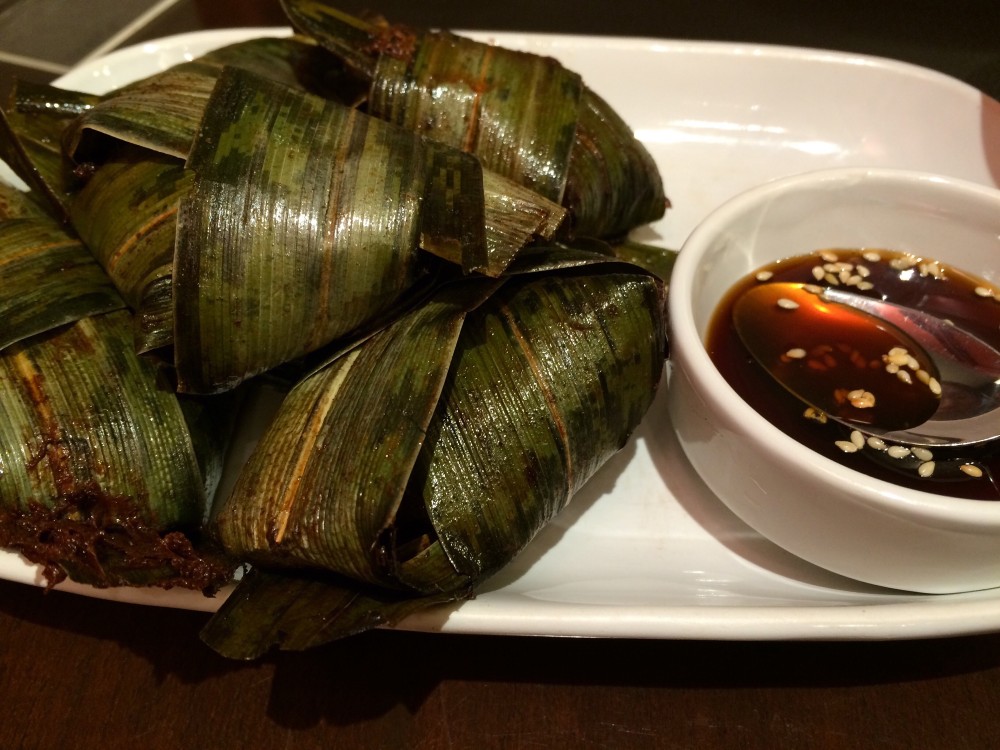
(83, 673)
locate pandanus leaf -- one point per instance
(300, 611)
(339, 194)
(104, 474)
(31, 131)
(357, 426)
(99, 477)
(20, 204)
(654, 258)
(516, 112)
(127, 215)
(613, 184)
(551, 380)
(127, 209)
(162, 112)
(515, 218)
(523, 115)
(49, 279)
(306, 220)
(380, 472)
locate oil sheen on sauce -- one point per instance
(901, 278)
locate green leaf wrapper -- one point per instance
(385, 471)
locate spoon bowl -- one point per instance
(960, 410)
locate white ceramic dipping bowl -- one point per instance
(843, 520)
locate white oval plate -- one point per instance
(646, 551)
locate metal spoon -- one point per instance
(968, 369)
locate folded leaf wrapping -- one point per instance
(303, 223)
(524, 115)
(426, 458)
(101, 476)
(39, 264)
(104, 474)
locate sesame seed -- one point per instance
(971, 469)
(871, 256)
(796, 353)
(922, 453)
(764, 275)
(815, 414)
(844, 276)
(831, 280)
(858, 439)
(865, 285)
(787, 304)
(912, 363)
(898, 451)
(935, 386)
(847, 446)
(923, 376)
(926, 469)
(932, 269)
(861, 399)
(876, 443)
(897, 356)
(854, 280)
(812, 288)
(892, 368)
(863, 271)
(904, 375)
(818, 273)
(983, 291)
(828, 256)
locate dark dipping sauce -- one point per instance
(925, 284)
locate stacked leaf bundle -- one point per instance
(104, 476)
(460, 352)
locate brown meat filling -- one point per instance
(102, 540)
